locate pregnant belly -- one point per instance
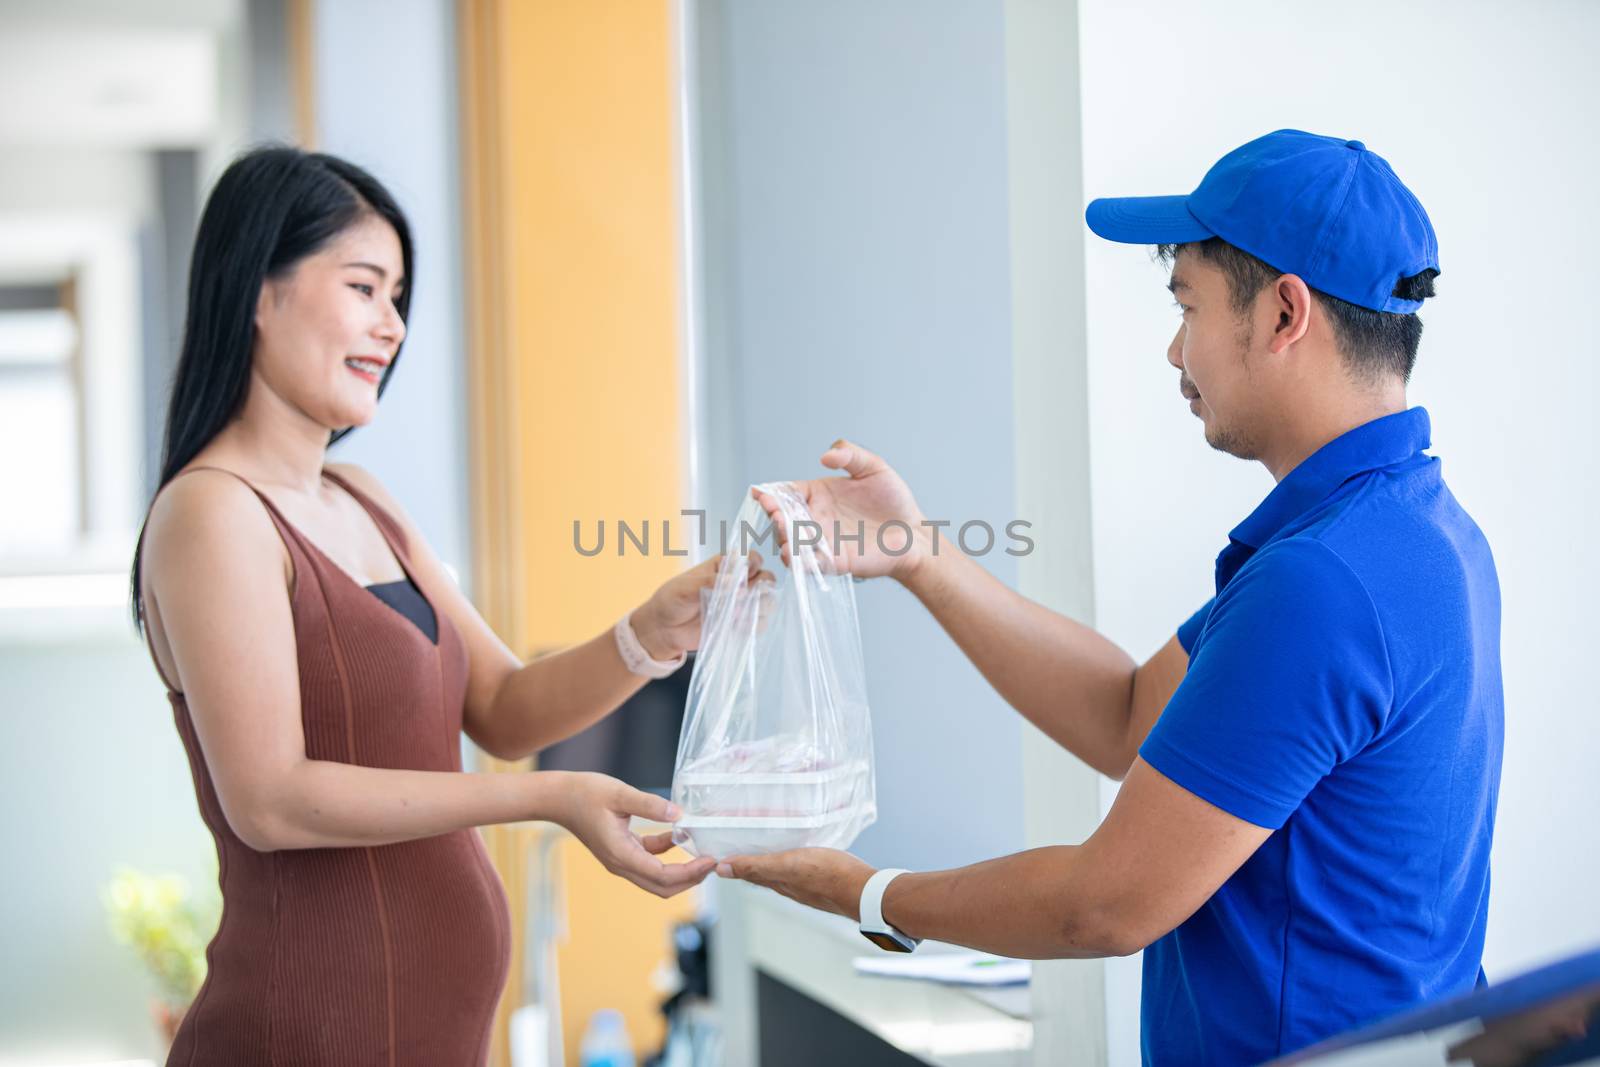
(427, 917)
(340, 955)
(450, 922)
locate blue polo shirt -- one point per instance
(1344, 692)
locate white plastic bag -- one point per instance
(776, 748)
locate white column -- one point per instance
(1061, 795)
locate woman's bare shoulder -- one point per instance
(206, 514)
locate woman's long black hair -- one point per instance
(272, 207)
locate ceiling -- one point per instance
(112, 73)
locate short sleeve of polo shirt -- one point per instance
(1290, 679)
(1189, 629)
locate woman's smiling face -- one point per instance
(326, 331)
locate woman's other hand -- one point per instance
(596, 810)
(668, 624)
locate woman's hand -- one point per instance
(596, 810)
(668, 624)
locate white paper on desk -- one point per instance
(950, 968)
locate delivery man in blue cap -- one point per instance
(1310, 765)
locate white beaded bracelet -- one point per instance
(634, 656)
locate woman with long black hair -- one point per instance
(321, 664)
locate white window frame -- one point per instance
(100, 254)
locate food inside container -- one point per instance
(721, 836)
(776, 776)
(768, 795)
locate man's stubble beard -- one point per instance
(1237, 441)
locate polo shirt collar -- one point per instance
(1383, 442)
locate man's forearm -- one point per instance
(1065, 678)
(1030, 905)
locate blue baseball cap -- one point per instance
(1329, 210)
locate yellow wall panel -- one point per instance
(589, 107)
(576, 414)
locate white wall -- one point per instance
(1485, 110)
(76, 179)
(1044, 160)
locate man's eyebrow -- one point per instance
(1175, 283)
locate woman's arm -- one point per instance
(554, 697)
(214, 576)
(515, 709)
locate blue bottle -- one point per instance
(605, 1042)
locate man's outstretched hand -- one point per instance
(874, 501)
(821, 878)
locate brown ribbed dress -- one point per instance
(390, 955)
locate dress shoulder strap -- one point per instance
(285, 531)
(271, 507)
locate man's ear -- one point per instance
(1292, 304)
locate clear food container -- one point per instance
(722, 836)
(769, 795)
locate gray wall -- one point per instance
(270, 106)
(168, 241)
(386, 99)
(854, 197)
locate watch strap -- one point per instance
(872, 920)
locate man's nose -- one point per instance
(1175, 349)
